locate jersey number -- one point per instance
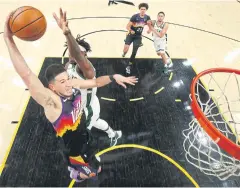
(139, 30)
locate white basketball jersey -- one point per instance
(87, 95)
(158, 29)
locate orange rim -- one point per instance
(220, 139)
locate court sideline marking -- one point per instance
(2, 166)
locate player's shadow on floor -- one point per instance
(151, 79)
(148, 71)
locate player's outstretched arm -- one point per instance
(36, 88)
(104, 80)
(149, 22)
(150, 27)
(73, 47)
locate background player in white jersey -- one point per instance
(81, 68)
(159, 29)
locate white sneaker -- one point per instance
(170, 63)
(118, 134)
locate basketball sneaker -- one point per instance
(118, 134)
(169, 63)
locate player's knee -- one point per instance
(137, 45)
(161, 53)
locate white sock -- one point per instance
(169, 61)
(103, 125)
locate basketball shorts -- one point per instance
(81, 157)
(92, 111)
(160, 45)
(135, 39)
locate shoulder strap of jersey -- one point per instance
(154, 22)
(163, 25)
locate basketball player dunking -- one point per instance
(81, 68)
(159, 29)
(134, 35)
(62, 105)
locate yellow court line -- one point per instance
(137, 99)
(108, 99)
(156, 92)
(16, 129)
(2, 166)
(71, 184)
(148, 149)
(170, 77)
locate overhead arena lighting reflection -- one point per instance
(5, 63)
(177, 84)
(189, 62)
(5, 107)
(36, 43)
(18, 82)
(231, 56)
(187, 106)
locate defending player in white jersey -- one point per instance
(159, 30)
(80, 67)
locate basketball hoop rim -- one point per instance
(220, 139)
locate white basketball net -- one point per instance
(220, 102)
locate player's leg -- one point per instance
(82, 160)
(137, 42)
(125, 49)
(160, 47)
(112, 134)
(93, 113)
(128, 42)
(163, 56)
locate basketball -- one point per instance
(28, 23)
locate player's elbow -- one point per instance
(128, 27)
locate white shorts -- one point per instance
(160, 45)
(93, 111)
